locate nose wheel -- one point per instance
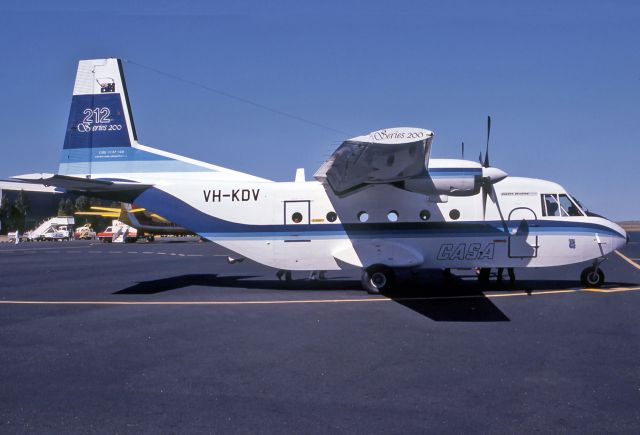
(593, 276)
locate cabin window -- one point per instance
(425, 215)
(454, 214)
(296, 217)
(363, 216)
(332, 216)
(392, 216)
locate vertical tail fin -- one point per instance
(100, 125)
(100, 114)
(101, 137)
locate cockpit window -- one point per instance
(559, 205)
(550, 205)
(568, 207)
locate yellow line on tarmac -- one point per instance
(613, 290)
(628, 260)
(302, 301)
(315, 301)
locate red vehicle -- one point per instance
(106, 236)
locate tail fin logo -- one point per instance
(97, 121)
(107, 84)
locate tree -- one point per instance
(69, 208)
(82, 203)
(5, 210)
(61, 211)
(22, 207)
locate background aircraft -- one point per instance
(151, 224)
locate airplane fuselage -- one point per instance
(379, 202)
(305, 226)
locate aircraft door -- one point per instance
(522, 243)
(297, 212)
(293, 250)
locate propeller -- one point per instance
(489, 177)
(486, 153)
(462, 150)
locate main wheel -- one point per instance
(590, 278)
(377, 279)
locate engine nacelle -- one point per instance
(454, 181)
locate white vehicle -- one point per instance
(379, 203)
(55, 228)
(56, 233)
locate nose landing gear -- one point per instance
(593, 276)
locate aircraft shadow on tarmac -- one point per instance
(428, 293)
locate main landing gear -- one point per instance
(286, 273)
(484, 274)
(593, 276)
(378, 279)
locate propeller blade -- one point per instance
(486, 154)
(484, 200)
(462, 150)
(489, 190)
(480, 157)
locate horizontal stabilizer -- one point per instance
(122, 190)
(26, 186)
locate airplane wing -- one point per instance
(106, 209)
(27, 187)
(97, 213)
(118, 189)
(383, 156)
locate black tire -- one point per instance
(378, 279)
(589, 277)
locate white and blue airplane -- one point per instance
(379, 203)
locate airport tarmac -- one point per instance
(168, 337)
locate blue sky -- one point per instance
(561, 81)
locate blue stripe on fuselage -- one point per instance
(179, 212)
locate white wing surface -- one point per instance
(383, 156)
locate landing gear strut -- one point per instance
(377, 279)
(593, 276)
(483, 275)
